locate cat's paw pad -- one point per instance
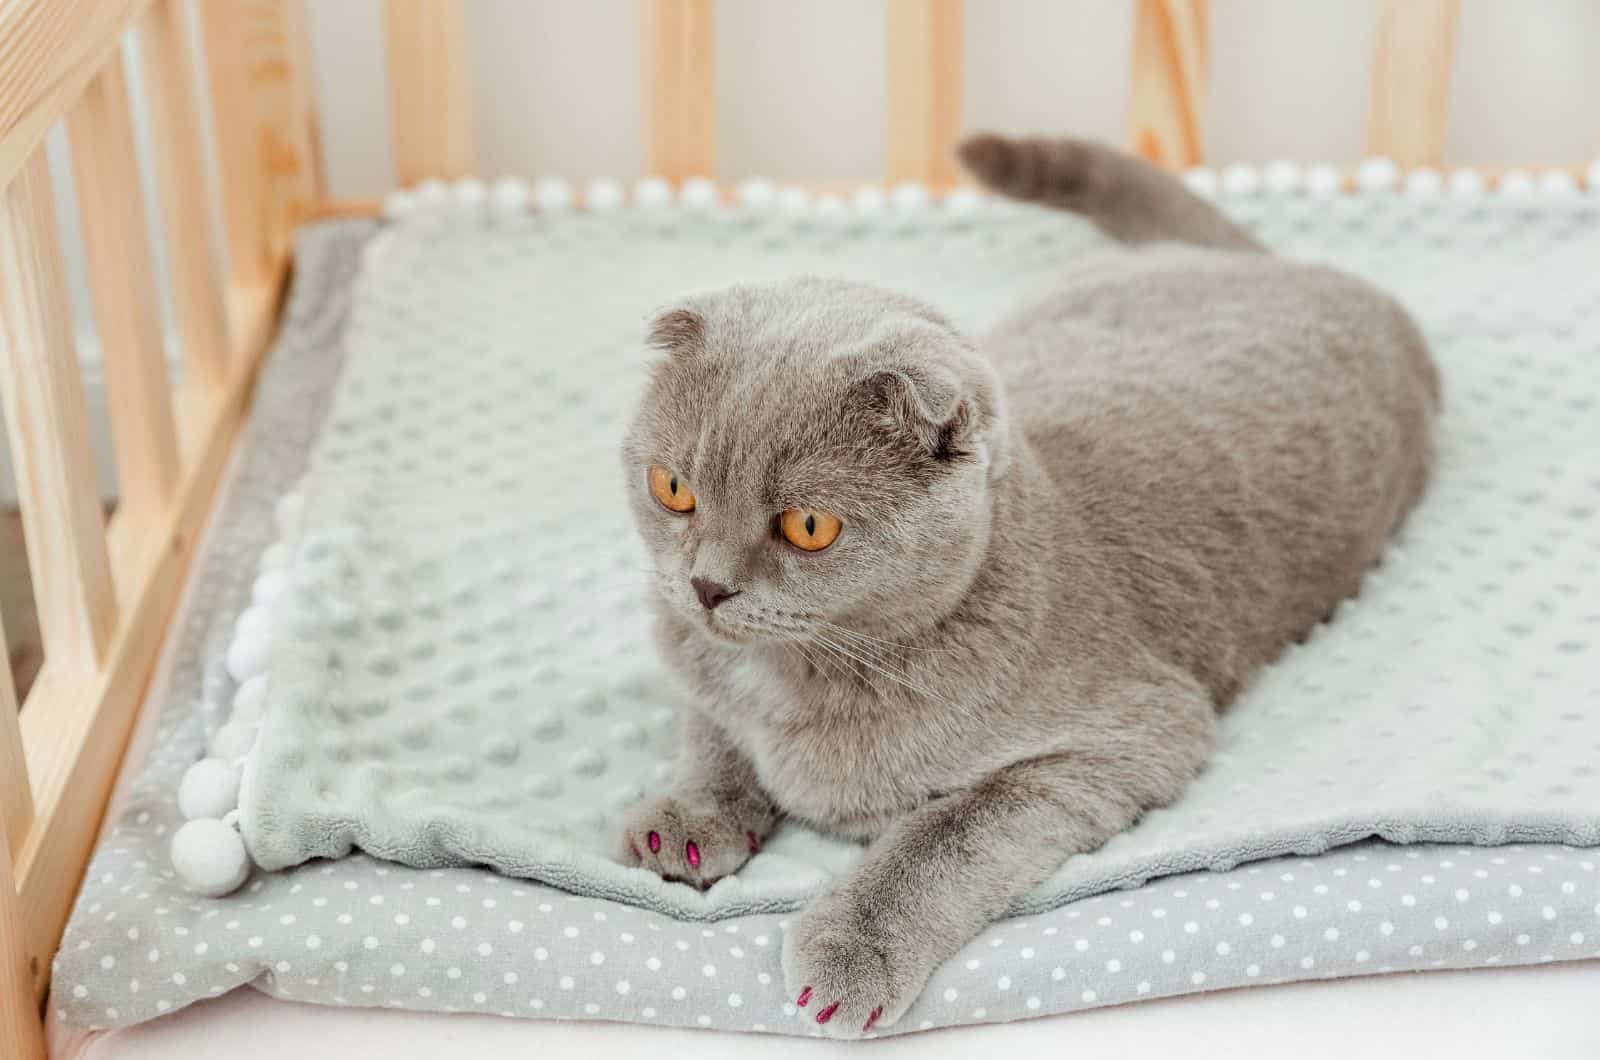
(681, 842)
(843, 977)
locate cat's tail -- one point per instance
(1129, 199)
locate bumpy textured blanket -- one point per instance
(1453, 700)
(456, 661)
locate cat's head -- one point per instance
(811, 452)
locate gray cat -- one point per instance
(978, 601)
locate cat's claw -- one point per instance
(861, 983)
(685, 842)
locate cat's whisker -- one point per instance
(844, 665)
(898, 677)
(857, 635)
(816, 660)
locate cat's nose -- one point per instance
(711, 593)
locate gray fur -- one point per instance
(1065, 547)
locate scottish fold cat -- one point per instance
(977, 600)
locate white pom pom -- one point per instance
(909, 196)
(1558, 182)
(758, 193)
(288, 513)
(510, 197)
(248, 699)
(254, 621)
(794, 199)
(1377, 174)
(1466, 183)
(603, 193)
(869, 200)
(247, 655)
(268, 587)
(552, 194)
(233, 741)
(209, 857)
(1281, 177)
(699, 193)
(398, 205)
(210, 788)
(1322, 180)
(1241, 179)
(964, 200)
(1424, 182)
(652, 193)
(470, 195)
(1516, 184)
(1201, 181)
(432, 195)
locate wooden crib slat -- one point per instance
(166, 46)
(680, 94)
(16, 795)
(118, 250)
(1409, 99)
(924, 91)
(1170, 71)
(264, 132)
(49, 51)
(430, 89)
(42, 389)
(21, 1033)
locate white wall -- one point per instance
(800, 85)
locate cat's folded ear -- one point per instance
(948, 412)
(678, 332)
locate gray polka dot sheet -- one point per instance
(1453, 703)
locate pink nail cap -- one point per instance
(693, 853)
(827, 1014)
(655, 842)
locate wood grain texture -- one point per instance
(166, 46)
(45, 416)
(1170, 71)
(75, 729)
(430, 89)
(923, 91)
(680, 95)
(264, 136)
(21, 1032)
(16, 797)
(49, 52)
(1409, 99)
(117, 247)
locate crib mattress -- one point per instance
(358, 932)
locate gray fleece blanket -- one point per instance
(454, 654)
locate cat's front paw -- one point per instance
(684, 842)
(844, 974)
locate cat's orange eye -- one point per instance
(673, 493)
(809, 529)
(671, 490)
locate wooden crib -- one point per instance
(106, 589)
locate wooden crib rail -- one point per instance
(105, 588)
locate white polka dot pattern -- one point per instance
(1516, 420)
